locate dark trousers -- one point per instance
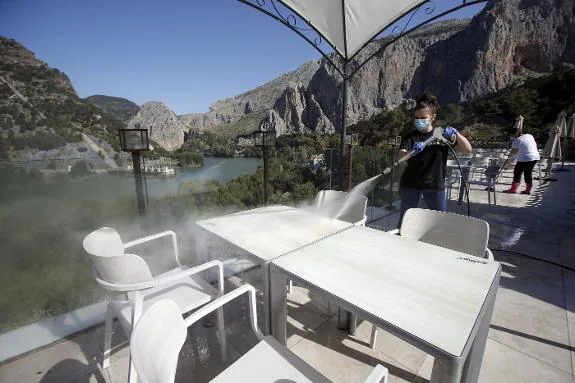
(525, 168)
(435, 200)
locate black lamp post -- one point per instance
(135, 141)
(351, 140)
(265, 138)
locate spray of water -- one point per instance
(344, 206)
(350, 201)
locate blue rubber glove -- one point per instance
(449, 133)
(417, 147)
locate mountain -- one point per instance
(117, 107)
(508, 42)
(42, 118)
(232, 109)
(165, 128)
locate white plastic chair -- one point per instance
(453, 231)
(132, 289)
(542, 165)
(329, 202)
(161, 332)
(453, 177)
(489, 177)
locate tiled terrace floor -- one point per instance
(532, 330)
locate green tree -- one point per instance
(522, 101)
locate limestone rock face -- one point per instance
(458, 60)
(163, 125)
(510, 40)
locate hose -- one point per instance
(535, 258)
(465, 185)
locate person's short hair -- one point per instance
(427, 101)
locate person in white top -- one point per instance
(525, 148)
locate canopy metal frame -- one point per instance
(347, 67)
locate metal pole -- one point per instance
(563, 154)
(138, 180)
(265, 170)
(330, 166)
(392, 176)
(342, 133)
(349, 161)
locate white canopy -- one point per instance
(349, 24)
(518, 123)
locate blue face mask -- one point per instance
(421, 124)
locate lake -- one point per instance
(219, 169)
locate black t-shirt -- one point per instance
(427, 169)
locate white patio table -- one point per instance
(437, 299)
(269, 232)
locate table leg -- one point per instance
(343, 319)
(352, 324)
(346, 321)
(445, 371)
(266, 298)
(464, 176)
(278, 310)
(472, 365)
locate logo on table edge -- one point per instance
(473, 260)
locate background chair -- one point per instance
(542, 165)
(132, 288)
(490, 175)
(468, 235)
(161, 332)
(453, 177)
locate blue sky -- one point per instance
(186, 53)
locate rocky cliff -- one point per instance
(459, 61)
(232, 109)
(163, 125)
(509, 41)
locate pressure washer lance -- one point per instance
(336, 209)
(366, 186)
(437, 135)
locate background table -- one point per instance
(269, 232)
(437, 299)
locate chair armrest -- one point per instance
(489, 255)
(165, 280)
(156, 236)
(219, 302)
(393, 232)
(378, 374)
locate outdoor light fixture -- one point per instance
(265, 138)
(134, 141)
